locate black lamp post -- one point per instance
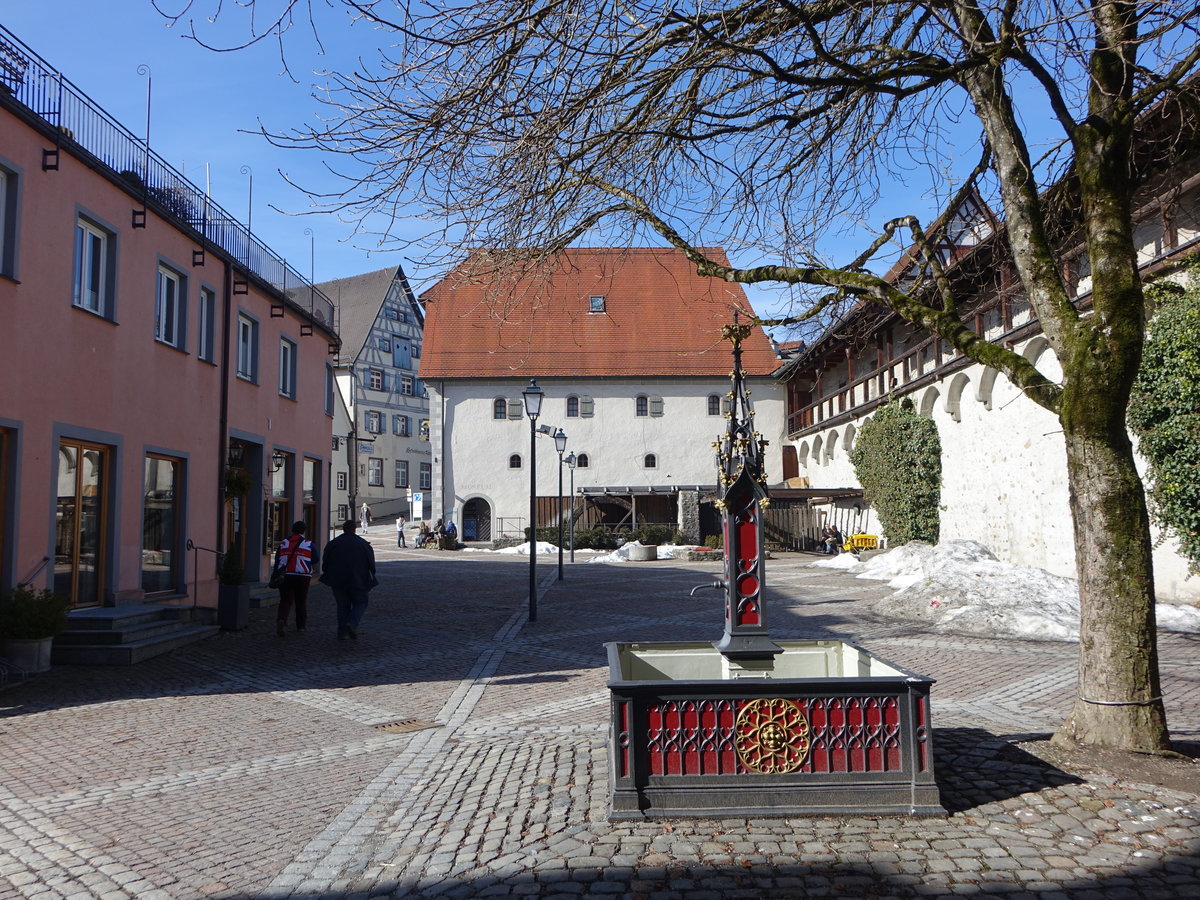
(570, 461)
(560, 444)
(532, 396)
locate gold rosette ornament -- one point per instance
(772, 736)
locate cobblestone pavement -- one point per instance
(455, 750)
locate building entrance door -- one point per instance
(80, 538)
(477, 520)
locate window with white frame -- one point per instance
(389, 312)
(402, 426)
(341, 481)
(402, 473)
(385, 344)
(247, 348)
(500, 408)
(206, 348)
(572, 407)
(287, 368)
(170, 307)
(416, 350)
(374, 422)
(642, 405)
(375, 379)
(343, 512)
(374, 471)
(426, 476)
(94, 264)
(406, 385)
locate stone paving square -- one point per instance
(457, 750)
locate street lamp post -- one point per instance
(560, 444)
(532, 396)
(570, 461)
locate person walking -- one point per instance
(364, 516)
(348, 567)
(296, 557)
(400, 523)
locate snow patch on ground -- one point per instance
(841, 561)
(542, 548)
(665, 551)
(960, 587)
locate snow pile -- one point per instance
(665, 551)
(841, 561)
(542, 547)
(960, 587)
(1172, 617)
(917, 561)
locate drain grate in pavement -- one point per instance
(402, 725)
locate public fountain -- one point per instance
(748, 726)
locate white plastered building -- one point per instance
(626, 346)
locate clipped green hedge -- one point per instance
(653, 535)
(1164, 413)
(897, 457)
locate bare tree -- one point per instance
(767, 126)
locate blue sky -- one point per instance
(202, 102)
(206, 108)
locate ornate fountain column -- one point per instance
(740, 473)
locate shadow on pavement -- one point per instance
(975, 767)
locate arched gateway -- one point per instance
(477, 520)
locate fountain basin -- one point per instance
(821, 728)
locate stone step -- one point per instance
(130, 652)
(263, 597)
(126, 632)
(116, 618)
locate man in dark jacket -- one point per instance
(348, 567)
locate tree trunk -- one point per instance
(1119, 702)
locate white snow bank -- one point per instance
(1172, 617)
(665, 551)
(841, 561)
(959, 586)
(541, 547)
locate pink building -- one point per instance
(166, 378)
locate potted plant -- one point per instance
(233, 595)
(29, 621)
(237, 482)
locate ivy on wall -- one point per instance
(898, 460)
(1164, 412)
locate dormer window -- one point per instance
(596, 304)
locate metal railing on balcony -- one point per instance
(84, 125)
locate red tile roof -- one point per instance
(660, 318)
